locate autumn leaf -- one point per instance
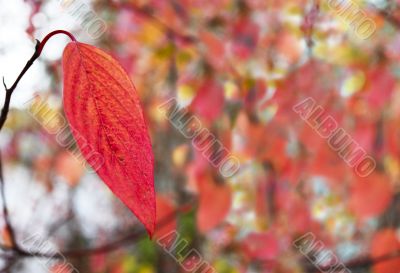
(106, 119)
(209, 100)
(61, 268)
(215, 49)
(69, 168)
(214, 204)
(6, 237)
(385, 242)
(375, 187)
(261, 246)
(379, 87)
(165, 210)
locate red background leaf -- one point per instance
(214, 203)
(385, 242)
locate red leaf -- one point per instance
(61, 268)
(380, 86)
(165, 210)
(211, 212)
(385, 242)
(215, 49)
(209, 100)
(375, 187)
(261, 246)
(106, 119)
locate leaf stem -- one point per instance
(51, 34)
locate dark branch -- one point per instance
(112, 246)
(9, 91)
(38, 50)
(3, 117)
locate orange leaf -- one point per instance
(209, 100)
(214, 204)
(261, 246)
(69, 168)
(384, 243)
(165, 209)
(6, 237)
(375, 187)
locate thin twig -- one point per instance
(38, 50)
(3, 117)
(9, 91)
(112, 246)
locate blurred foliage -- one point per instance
(239, 66)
